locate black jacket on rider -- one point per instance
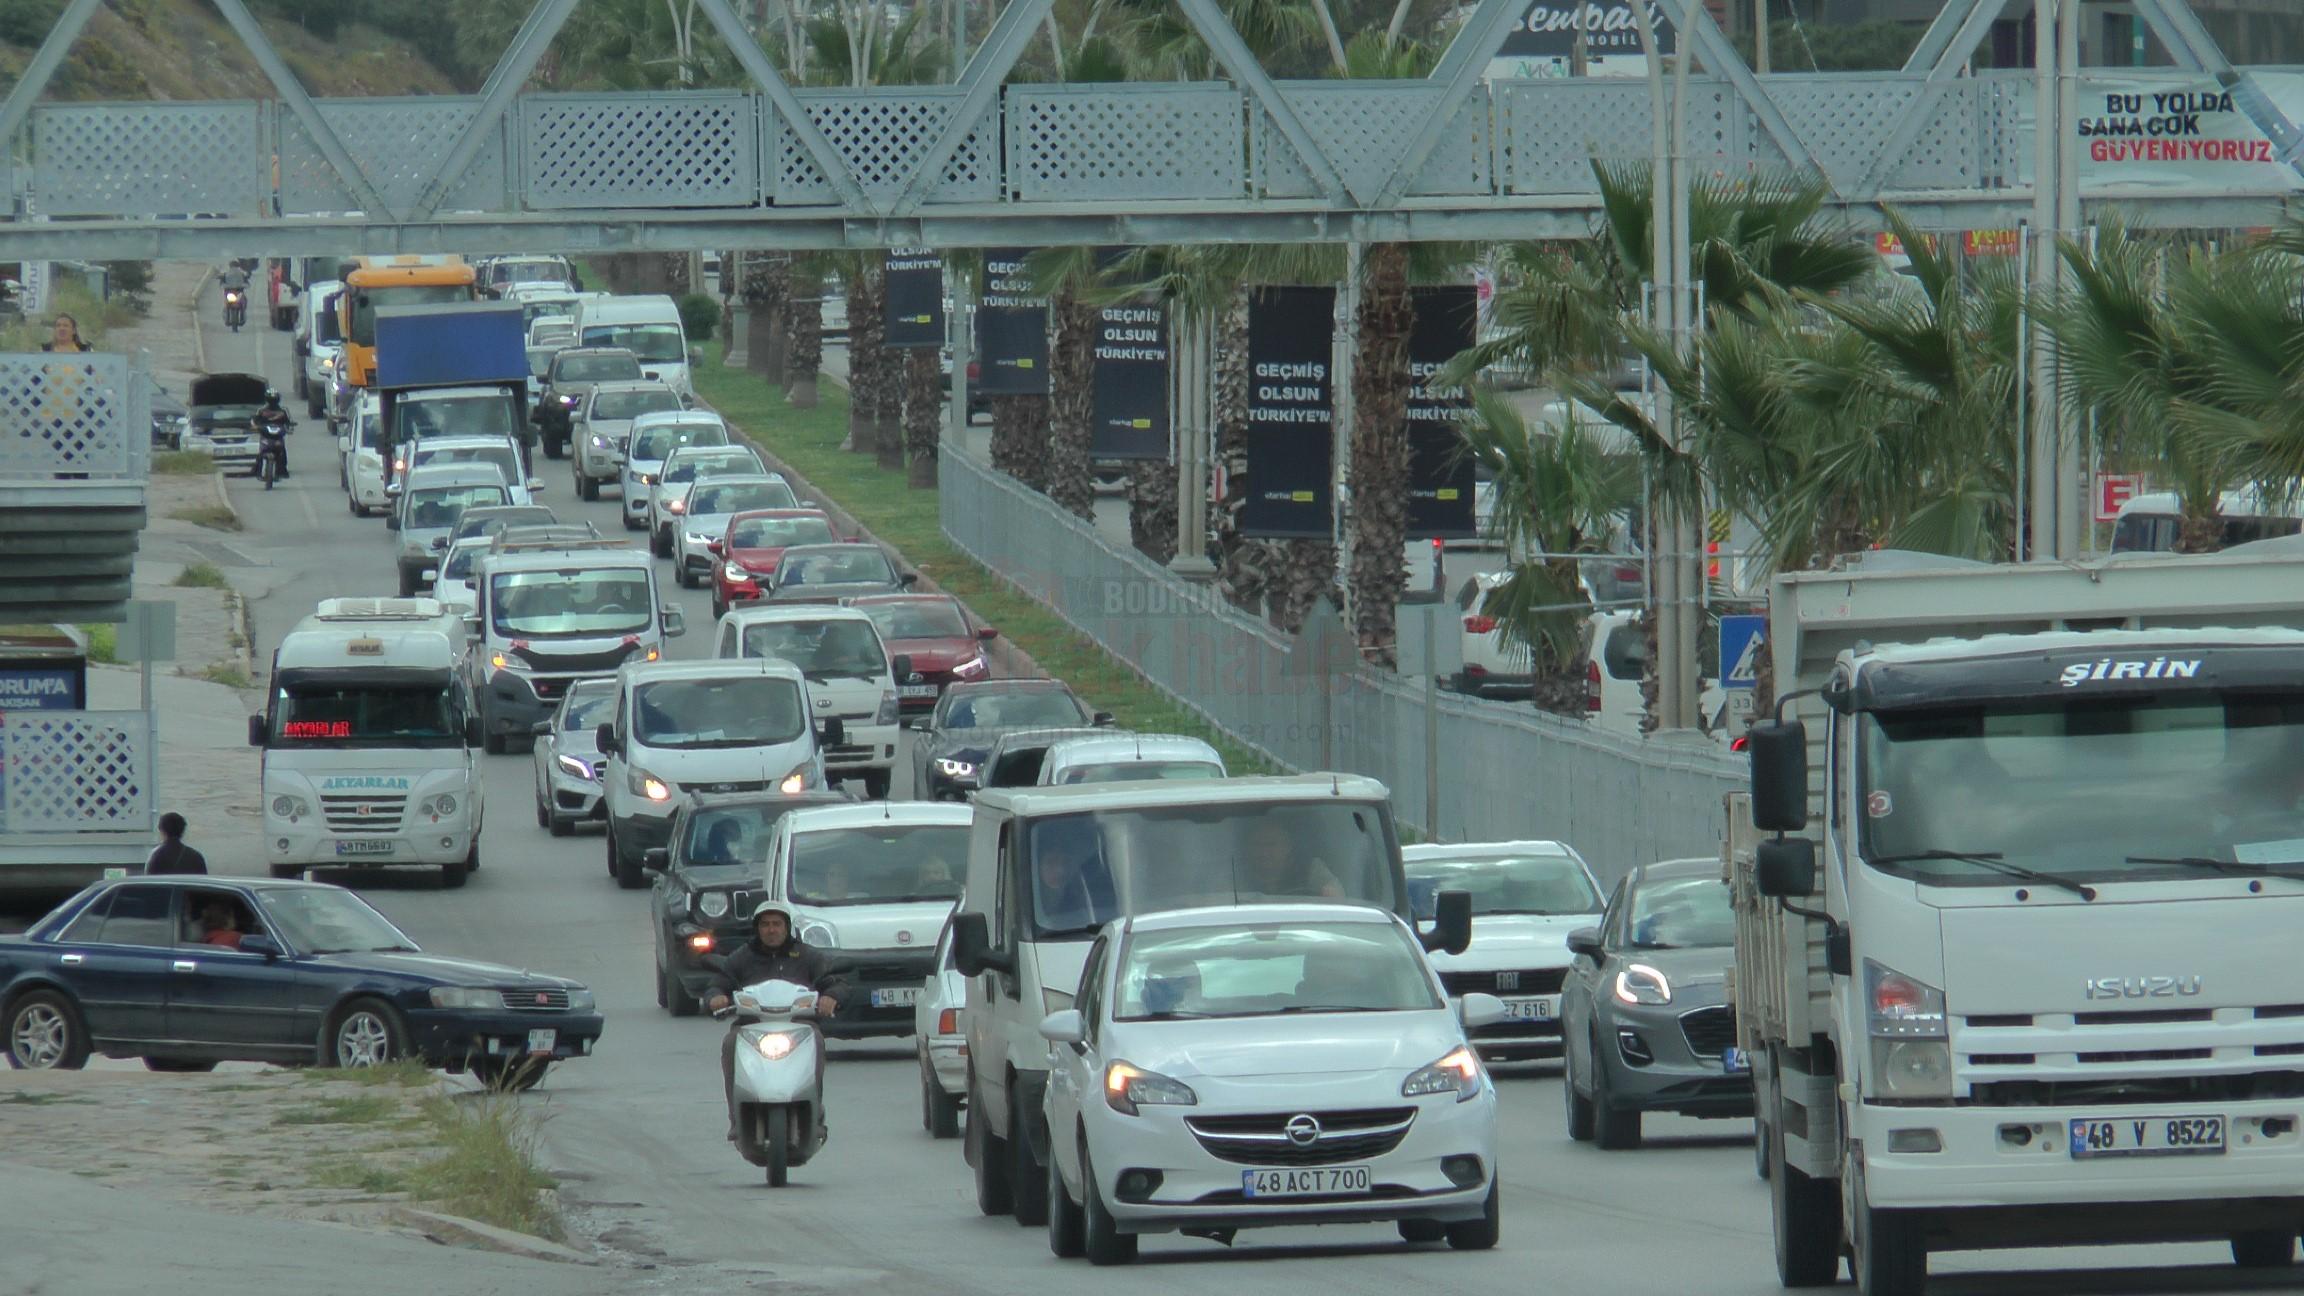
(753, 963)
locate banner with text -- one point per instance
(1543, 42)
(1439, 470)
(915, 311)
(1131, 418)
(2173, 131)
(1011, 328)
(1291, 414)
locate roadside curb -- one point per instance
(456, 1231)
(1012, 660)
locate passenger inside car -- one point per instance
(219, 921)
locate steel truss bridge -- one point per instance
(982, 163)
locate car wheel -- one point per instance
(1422, 1230)
(559, 825)
(454, 876)
(1479, 1234)
(658, 543)
(1028, 1185)
(942, 1110)
(662, 1000)
(510, 1075)
(2264, 1249)
(1805, 1214)
(1100, 1234)
(543, 816)
(631, 523)
(45, 1033)
(1613, 1129)
(988, 1153)
(287, 872)
(1760, 1149)
(1067, 1223)
(364, 1033)
(676, 998)
(1887, 1252)
(719, 609)
(183, 1066)
(628, 874)
(408, 590)
(587, 489)
(1579, 1107)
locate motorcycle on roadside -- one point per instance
(779, 1076)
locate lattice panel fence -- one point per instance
(699, 149)
(882, 135)
(76, 414)
(1843, 118)
(396, 143)
(75, 771)
(1365, 128)
(149, 159)
(1146, 142)
(1954, 150)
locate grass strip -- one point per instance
(201, 575)
(357, 1109)
(183, 463)
(215, 517)
(487, 1168)
(907, 520)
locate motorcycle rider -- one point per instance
(773, 954)
(271, 427)
(234, 279)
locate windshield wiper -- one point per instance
(1052, 933)
(394, 949)
(1995, 861)
(1174, 1014)
(2277, 868)
(1325, 1008)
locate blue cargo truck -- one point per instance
(453, 369)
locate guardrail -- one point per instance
(77, 772)
(1505, 772)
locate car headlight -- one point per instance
(465, 997)
(441, 806)
(955, 769)
(970, 668)
(736, 573)
(599, 442)
(889, 708)
(580, 999)
(1458, 1073)
(1642, 984)
(288, 807)
(648, 785)
(328, 364)
(776, 1045)
(574, 768)
(820, 934)
(647, 479)
(699, 539)
(676, 506)
(1911, 1056)
(1128, 1087)
(713, 904)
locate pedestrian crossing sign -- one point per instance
(1740, 640)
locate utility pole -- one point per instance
(2053, 455)
(1760, 61)
(1191, 338)
(1671, 576)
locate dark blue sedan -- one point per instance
(186, 972)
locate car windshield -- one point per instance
(1682, 913)
(654, 343)
(1534, 883)
(436, 508)
(569, 601)
(327, 324)
(823, 650)
(597, 368)
(531, 272)
(585, 712)
(495, 520)
(1140, 771)
(780, 533)
(633, 404)
(1088, 869)
(880, 864)
(366, 715)
(751, 712)
(691, 467)
(720, 499)
(459, 564)
(503, 458)
(2177, 778)
(658, 443)
(736, 834)
(929, 619)
(847, 567)
(491, 416)
(1037, 709)
(317, 920)
(1266, 969)
(367, 301)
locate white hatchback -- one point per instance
(1287, 1065)
(1526, 897)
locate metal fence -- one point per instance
(85, 417)
(1505, 772)
(76, 772)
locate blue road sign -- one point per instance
(1740, 640)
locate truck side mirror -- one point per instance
(1779, 751)
(675, 621)
(972, 950)
(605, 737)
(1451, 923)
(256, 731)
(1784, 868)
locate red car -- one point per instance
(945, 644)
(753, 545)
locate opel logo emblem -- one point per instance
(1303, 1130)
(903, 938)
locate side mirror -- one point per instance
(656, 859)
(900, 666)
(1476, 1010)
(834, 732)
(472, 627)
(256, 731)
(908, 578)
(1784, 868)
(715, 548)
(1451, 923)
(972, 950)
(1103, 720)
(987, 632)
(391, 520)
(1779, 751)
(391, 490)
(1069, 1027)
(472, 733)
(535, 485)
(259, 943)
(1584, 942)
(440, 542)
(675, 621)
(604, 737)
(542, 728)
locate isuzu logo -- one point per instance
(1302, 1130)
(2156, 987)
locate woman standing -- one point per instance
(67, 336)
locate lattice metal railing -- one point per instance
(698, 148)
(76, 771)
(77, 417)
(1365, 128)
(1135, 143)
(397, 144)
(149, 159)
(882, 135)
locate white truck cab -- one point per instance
(367, 738)
(840, 653)
(549, 613)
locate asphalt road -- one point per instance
(636, 1131)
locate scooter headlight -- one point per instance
(776, 1045)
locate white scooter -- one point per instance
(779, 1076)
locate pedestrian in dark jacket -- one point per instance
(773, 954)
(172, 855)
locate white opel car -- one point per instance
(1294, 1064)
(1526, 897)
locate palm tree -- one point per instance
(1074, 287)
(803, 340)
(923, 415)
(867, 325)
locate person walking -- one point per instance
(172, 855)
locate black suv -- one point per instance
(707, 882)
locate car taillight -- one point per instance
(948, 1022)
(1742, 741)
(1479, 624)
(974, 370)
(1591, 686)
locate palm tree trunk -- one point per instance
(767, 284)
(1152, 508)
(923, 415)
(1020, 438)
(803, 340)
(865, 329)
(2200, 530)
(1379, 454)
(1072, 403)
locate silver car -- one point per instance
(704, 515)
(1644, 1017)
(654, 438)
(668, 498)
(568, 760)
(603, 425)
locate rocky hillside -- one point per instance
(181, 49)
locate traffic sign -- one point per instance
(2114, 490)
(1740, 640)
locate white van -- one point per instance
(2151, 523)
(1129, 758)
(368, 743)
(319, 346)
(648, 327)
(359, 444)
(840, 652)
